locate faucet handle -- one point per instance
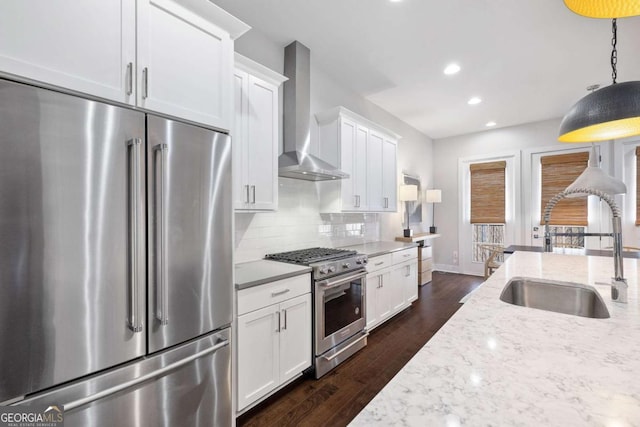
(618, 289)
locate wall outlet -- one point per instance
(455, 257)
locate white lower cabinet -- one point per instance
(407, 276)
(274, 341)
(392, 285)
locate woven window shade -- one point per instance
(488, 192)
(638, 185)
(558, 172)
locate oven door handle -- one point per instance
(330, 283)
(333, 356)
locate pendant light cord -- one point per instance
(614, 51)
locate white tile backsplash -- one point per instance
(299, 224)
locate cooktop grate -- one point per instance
(311, 255)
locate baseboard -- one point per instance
(446, 268)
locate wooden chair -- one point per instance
(491, 263)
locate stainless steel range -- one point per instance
(339, 302)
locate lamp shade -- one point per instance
(604, 9)
(433, 196)
(408, 193)
(609, 113)
(595, 178)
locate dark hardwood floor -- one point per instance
(336, 398)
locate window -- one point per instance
(487, 207)
(558, 172)
(488, 192)
(567, 241)
(485, 235)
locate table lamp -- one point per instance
(408, 193)
(433, 196)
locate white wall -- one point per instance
(298, 220)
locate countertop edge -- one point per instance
(241, 286)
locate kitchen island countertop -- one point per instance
(255, 273)
(494, 363)
(381, 247)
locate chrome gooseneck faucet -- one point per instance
(618, 282)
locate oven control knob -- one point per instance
(359, 261)
(346, 265)
(324, 269)
(332, 269)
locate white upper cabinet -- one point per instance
(255, 135)
(367, 152)
(173, 57)
(389, 175)
(86, 46)
(374, 172)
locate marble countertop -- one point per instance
(497, 364)
(382, 247)
(571, 251)
(254, 273)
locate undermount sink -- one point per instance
(561, 297)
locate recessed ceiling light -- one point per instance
(451, 69)
(490, 124)
(474, 101)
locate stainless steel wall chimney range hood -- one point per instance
(296, 162)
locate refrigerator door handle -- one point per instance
(162, 297)
(132, 383)
(134, 227)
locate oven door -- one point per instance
(340, 309)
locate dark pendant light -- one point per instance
(604, 9)
(609, 113)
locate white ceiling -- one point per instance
(528, 60)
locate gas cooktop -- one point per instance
(311, 255)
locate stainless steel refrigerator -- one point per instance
(115, 262)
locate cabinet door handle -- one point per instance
(380, 281)
(284, 328)
(247, 188)
(386, 202)
(129, 78)
(408, 271)
(278, 329)
(145, 83)
(253, 191)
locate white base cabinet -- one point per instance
(172, 57)
(392, 285)
(274, 337)
(255, 136)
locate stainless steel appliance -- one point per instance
(339, 283)
(115, 262)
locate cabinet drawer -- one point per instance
(426, 252)
(425, 265)
(404, 255)
(272, 293)
(425, 277)
(379, 262)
